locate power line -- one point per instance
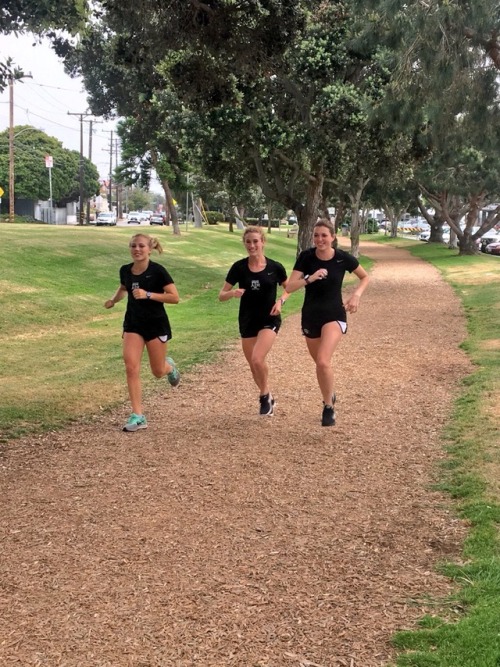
(46, 85)
(47, 99)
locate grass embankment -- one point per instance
(61, 350)
(465, 632)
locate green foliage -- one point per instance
(214, 217)
(31, 175)
(41, 17)
(139, 199)
(282, 113)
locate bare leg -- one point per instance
(133, 347)
(321, 350)
(255, 351)
(156, 353)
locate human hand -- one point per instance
(352, 304)
(109, 303)
(238, 293)
(139, 293)
(276, 309)
(320, 274)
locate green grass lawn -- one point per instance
(61, 349)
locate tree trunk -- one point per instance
(308, 214)
(240, 223)
(168, 195)
(171, 207)
(355, 199)
(467, 245)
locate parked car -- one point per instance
(134, 216)
(157, 219)
(426, 235)
(490, 237)
(105, 219)
(147, 215)
(493, 248)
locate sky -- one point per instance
(44, 100)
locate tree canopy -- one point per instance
(42, 17)
(307, 100)
(31, 175)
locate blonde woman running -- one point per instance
(149, 286)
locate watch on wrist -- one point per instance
(148, 295)
(306, 278)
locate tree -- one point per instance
(138, 199)
(31, 175)
(147, 146)
(288, 126)
(271, 91)
(42, 17)
(448, 61)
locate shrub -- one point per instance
(214, 217)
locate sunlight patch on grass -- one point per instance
(12, 288)
(491, 344)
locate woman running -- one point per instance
(321, 271)
(257, 277)
(149, 286)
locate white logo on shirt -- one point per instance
(255, 285)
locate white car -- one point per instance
(425, 236)
(105, 219)
(135, 216)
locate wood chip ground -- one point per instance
(216, 538)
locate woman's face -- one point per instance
(139, 247)
(254, 243)
(322, 237)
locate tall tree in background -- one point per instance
(32, 181)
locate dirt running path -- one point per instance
(217, 538)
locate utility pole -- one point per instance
(80, 212)
(111, 150)
(11, 149)
(90, 158)
(118, 203)
(11, 142)
(110, 205)
(90, 122)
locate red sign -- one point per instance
(49, 161)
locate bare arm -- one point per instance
(120, 293)
(169, 294)
(352, 303)
(298, 279)
(228, 292)
(276, 309)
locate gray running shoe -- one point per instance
(174, 377)
(135, 423)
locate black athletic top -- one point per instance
(323, 299)
(153, 279)
(260, 288)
